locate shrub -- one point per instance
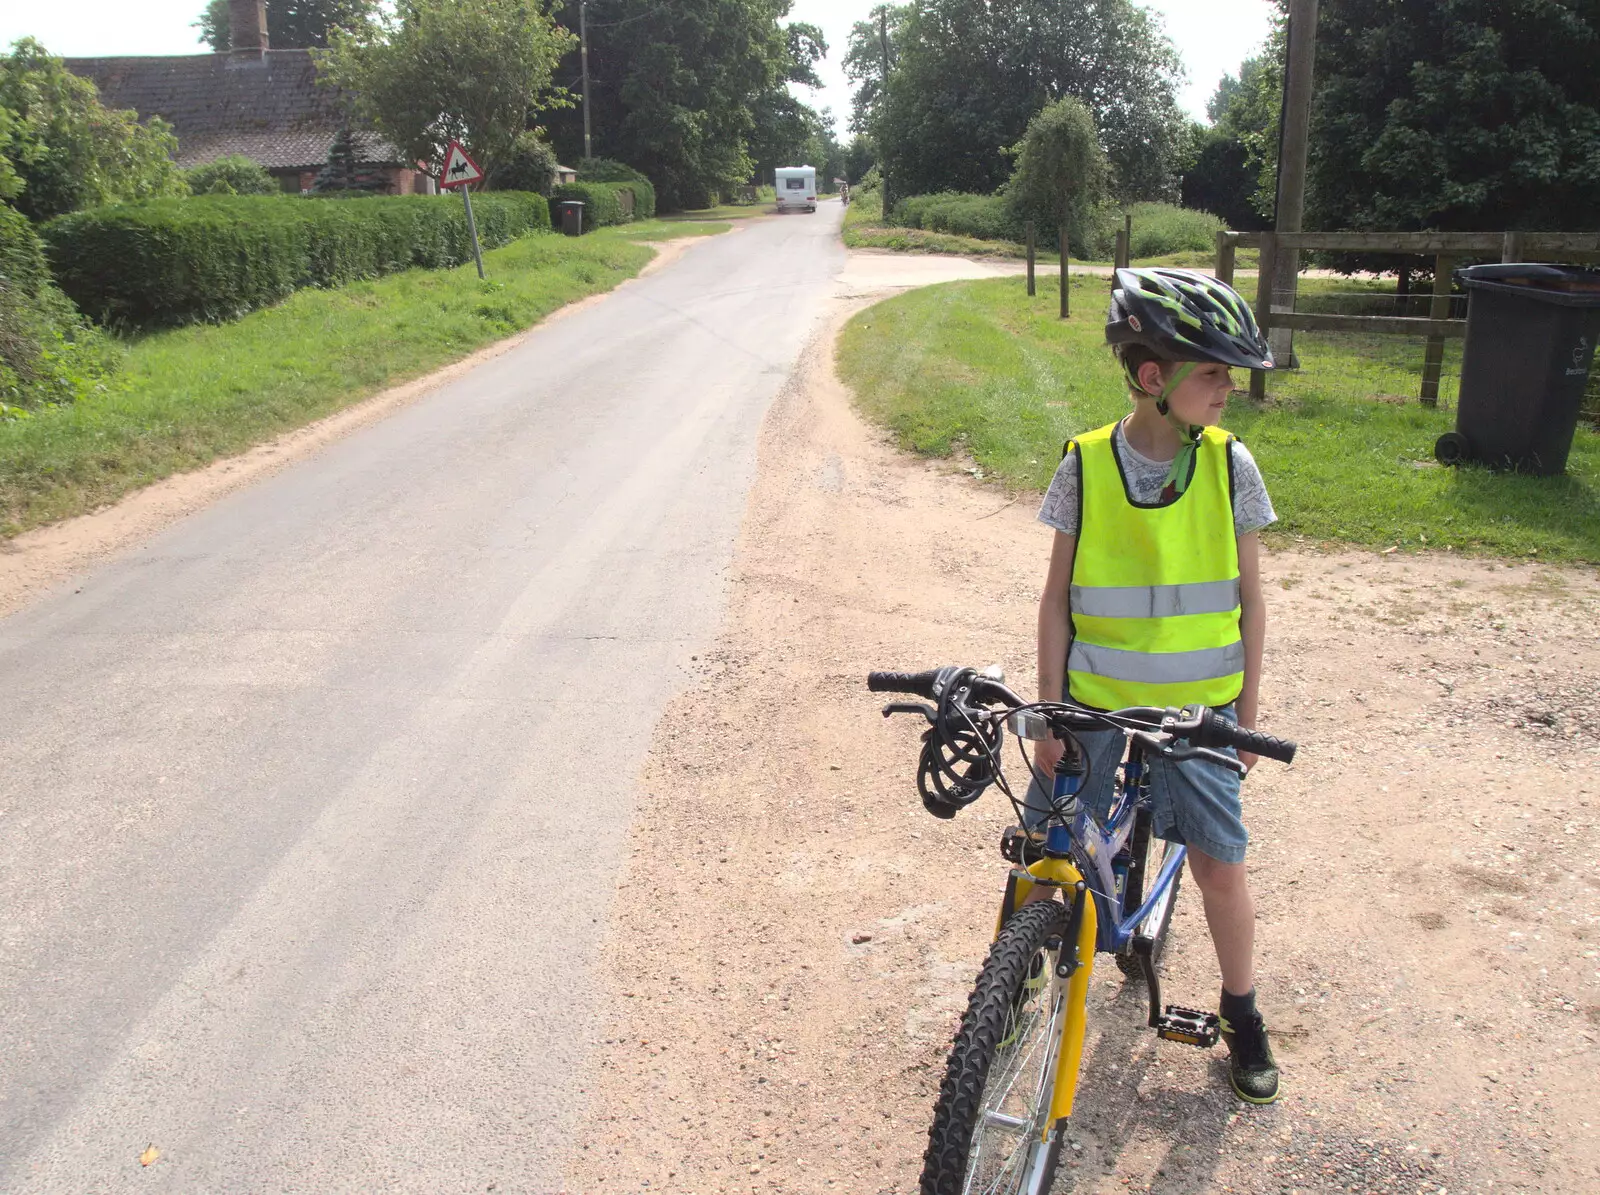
(603, 204)
(607, 170)
(344, 172)
(986, 217)
(48, 355)
(529, 166)
(1163, 228)
(217, 257)
(233, 175)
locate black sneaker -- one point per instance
(1250, 1063)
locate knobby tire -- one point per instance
(994, 999)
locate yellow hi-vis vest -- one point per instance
(1155, 589)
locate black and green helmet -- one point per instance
(1183, 315)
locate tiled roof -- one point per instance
(269, 109)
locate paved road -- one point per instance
(310, 807)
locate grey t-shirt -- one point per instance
(1252, 508)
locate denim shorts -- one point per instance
(1193, 802)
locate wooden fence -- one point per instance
(1446, 248)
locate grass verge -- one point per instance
(186, 397)
(671, 230)
(1346, 449)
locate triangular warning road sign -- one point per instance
(458, 168)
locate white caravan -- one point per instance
(797, 188)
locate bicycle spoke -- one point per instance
(1010, 1111)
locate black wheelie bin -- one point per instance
(1531, 333)
(572, 217)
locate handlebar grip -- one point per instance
(918, 683)
(1219, 732)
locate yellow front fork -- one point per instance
(1060, 873)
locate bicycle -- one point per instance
(1012, 1074)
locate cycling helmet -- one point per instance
(1184, 315)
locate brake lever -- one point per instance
(1163, 744)
(912, 707)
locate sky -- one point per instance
(1213, 36)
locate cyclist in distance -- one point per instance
(1153, 597)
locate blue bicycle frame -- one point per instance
(1094, 850)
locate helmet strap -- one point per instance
(1182, 464)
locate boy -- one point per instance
(1154, 596)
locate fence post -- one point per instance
(1269, 262)
(1225, 251)
(1511, 247)
(1439, 308)
(1121, 262)
(1030, 231)
(1064, 282)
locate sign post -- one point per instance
(461, 171)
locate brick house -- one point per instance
(252, 100)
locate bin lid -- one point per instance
(1565, 286)
(572, 203)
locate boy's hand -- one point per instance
(1045, 756)
(1249, 760)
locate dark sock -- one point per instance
(1236, 1010)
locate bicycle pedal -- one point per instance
(1020, 847)
(1189, 1026)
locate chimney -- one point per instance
(247, 29)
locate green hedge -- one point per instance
(1163, 228)
(216, 257)
(1159, 229)
(987, 217)
(602, 202)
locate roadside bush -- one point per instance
(233, 175)
(48, 353)
(529, 166)
(986, 217)
(603, 204)
(608, 170)
(216, 257)
(1163, 228)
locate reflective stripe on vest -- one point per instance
(1156, 601)
(1155, 590)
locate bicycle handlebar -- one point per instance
(960, 755)
(1217, 731)
(919, 684)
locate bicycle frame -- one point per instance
(1084, 853)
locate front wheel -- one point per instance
(988, 1125)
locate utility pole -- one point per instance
(883, 98)
(1293, 143)
(583, 53)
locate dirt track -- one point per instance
(798, 935)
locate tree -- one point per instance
(967, 77)
(291, 24)
(1235, 170)
(433, 71)
(786, 131)
(871, 45)
(530, 166)
(343, 172)
(860, 156)
(66, 150)
(1456, 114)
(1062, 173)
(674, 90)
